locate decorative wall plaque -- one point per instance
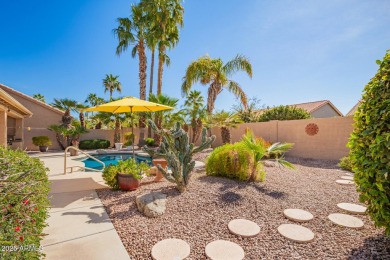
(311, 129)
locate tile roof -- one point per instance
(13, 91)
(311, 106)
(353, 109)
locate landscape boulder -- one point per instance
(151, 204)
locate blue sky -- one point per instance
(300, 50)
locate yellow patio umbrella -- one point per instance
(129, 105)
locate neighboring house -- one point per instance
(317, 109)
(353, 109)
(320, 109)
(42, 116)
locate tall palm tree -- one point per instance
(134, 31)
(111, 84)
(151, 42)
(224, 120)
(215, 73)
(165, 17)
(194, 108)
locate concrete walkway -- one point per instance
(78, 226)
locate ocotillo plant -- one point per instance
(178, 151)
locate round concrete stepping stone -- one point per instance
(345, 220)
(347, 178)
(171, 248)
(298, 215)
(352, 208)
(345, 182)
(296, 233)
(244, 228)
(224, 250)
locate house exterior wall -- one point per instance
(42, 117)
(324, 111)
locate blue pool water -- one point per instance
(108, 159)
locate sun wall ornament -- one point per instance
(311, 129)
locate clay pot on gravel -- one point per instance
(164, 164)
(127, 182)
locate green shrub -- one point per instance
(234, 161)
(129, 138)
(41, 141)
(129, 166)
(370, 146)
(150, 142)
(24, 188)
(94, 144)
(284, 113)
(345, 163)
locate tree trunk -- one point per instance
(142, 76)
(160, 69)
(117, 132)
(198, 127)
(98, 125)
(225, 134)
(151, 73)
(213, 92)
(82, 120)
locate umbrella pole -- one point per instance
(132, 129)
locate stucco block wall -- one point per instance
(328, 144)
(324, 111)
(38, 123)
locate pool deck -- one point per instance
(78, 226)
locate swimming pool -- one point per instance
(108, 159)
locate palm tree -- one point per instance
(196, 113)
(94, 100)
(135, 31)
(164, 16)
(161, 116)
(151, 42)
(39, 97)
(215, 73)
(79, 108)
(65, 104)
(111, 84)
(224, 120)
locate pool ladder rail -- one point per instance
(81, 167)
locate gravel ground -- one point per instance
(201, 215)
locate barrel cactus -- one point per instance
(178, 151)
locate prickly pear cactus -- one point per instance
(178, 151)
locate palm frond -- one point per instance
(236, 89)
(279, 148)
(239, 63)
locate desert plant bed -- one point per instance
(201, 215)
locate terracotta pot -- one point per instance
(43, 148)
(127, 181)
(164, 164)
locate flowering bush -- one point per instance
(24, 189)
